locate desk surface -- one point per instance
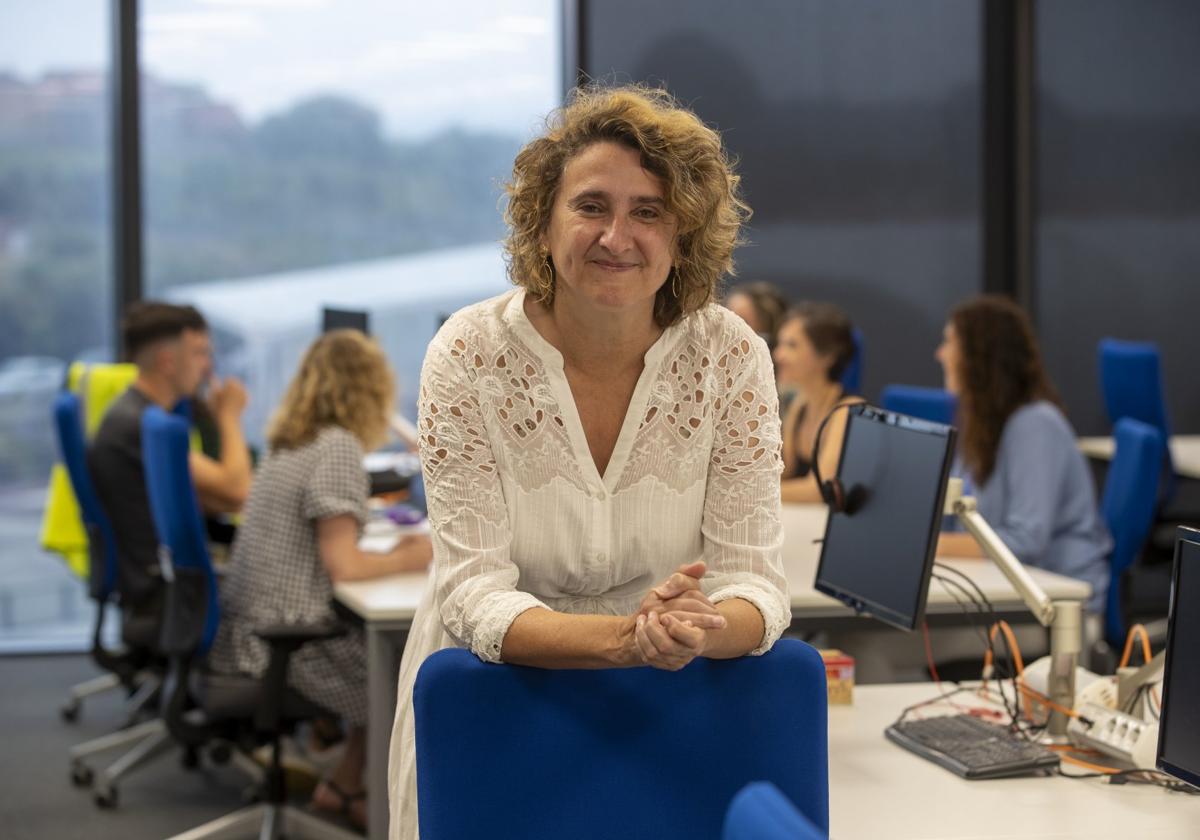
(877, 789)
(1185, 452)
(395, 598)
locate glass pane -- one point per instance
(1118, 186)
(310, 154)
(857, 128)
(55, 285)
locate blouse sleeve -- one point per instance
(743, 536)
(338, 483)
(1032, 465)
(474, 576)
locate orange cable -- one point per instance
(1136, 630)
(1095, 768)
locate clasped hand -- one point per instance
(672, 624)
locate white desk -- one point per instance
(387, 607)
(1185, 452)
(877, 790)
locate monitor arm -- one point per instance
(1064, 618)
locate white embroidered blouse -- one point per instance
(522, 518)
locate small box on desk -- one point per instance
(839, 677)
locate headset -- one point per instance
(833, 493)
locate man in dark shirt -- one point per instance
(171, 348)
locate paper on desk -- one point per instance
(381, 535)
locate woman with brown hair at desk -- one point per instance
(816, 345)
(1017, 451)
(299, 536)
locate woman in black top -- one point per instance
(815, 346)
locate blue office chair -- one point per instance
(1132, 384)
(932, 404)
(1129, 504)
(131, 669)
(852, 375)
(204, 708)
(635, 752)
(761, 812)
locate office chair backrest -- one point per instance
(932, 404)
(1129, 505)
(102, 544)
(852, 375)
(634, 752)
(191, 616)
(761, 812)
(1132, 384)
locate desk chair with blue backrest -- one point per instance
(761, 812)
(852, 375)
(1132, 383)
(932, 404)
(1129, 504)
(133, 668)
(204, 708)
(504, 750)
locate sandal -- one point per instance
(345, 806)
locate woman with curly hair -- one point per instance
(1017, 451)
(299, 535)
(601, 445)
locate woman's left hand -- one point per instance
(668, 642)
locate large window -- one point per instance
(346, 154)
(55, 283)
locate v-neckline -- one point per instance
(572, 422)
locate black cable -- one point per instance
(1136, 776)
(995, 620)
(1014, 710)
(948, 568)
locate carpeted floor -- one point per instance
(37, 799)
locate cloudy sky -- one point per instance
(490, 64)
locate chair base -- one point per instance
(268, 822)
(80, 691)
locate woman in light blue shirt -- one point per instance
(1017, 451)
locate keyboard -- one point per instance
(972, 748)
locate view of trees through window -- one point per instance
(296, 154)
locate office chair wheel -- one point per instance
(81, 775)
(106, 798)
(69, 711)
(190, 759)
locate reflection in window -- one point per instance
(55, 285)
(317, 154)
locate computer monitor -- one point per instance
(878, 558)
(1179, 720)
(344, 319)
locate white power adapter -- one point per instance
(1115, 733)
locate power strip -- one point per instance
(1115, 733)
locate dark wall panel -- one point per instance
(1118, 234)
(858, 130)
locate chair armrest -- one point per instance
(298, 634)
(284, 640)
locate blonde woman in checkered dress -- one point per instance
(300, 535)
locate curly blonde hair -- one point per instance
(344, 380)
(701, 189)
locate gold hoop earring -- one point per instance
(675, 282)
(546, 277)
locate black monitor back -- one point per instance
(1179, 721)
(345, 319)
(879, 558)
